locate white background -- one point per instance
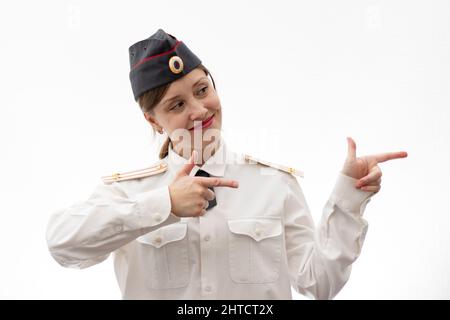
(295, 79)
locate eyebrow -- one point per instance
(177, 96)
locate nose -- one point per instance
(198, 111)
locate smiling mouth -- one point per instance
(204, 124)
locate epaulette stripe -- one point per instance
(142, 175)
(135, 174)
(290, 170)
(122, 176)
(154, 167)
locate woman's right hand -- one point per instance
(189, 196)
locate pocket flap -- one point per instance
(164, 235)
(258, 229)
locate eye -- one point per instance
(177, 106)
(203, 90)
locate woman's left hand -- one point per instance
(365, 169)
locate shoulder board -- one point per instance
(157, 168)
(290, 170)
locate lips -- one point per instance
(205, 123)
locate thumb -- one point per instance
(186, 169)
(351, 149)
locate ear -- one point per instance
(153, 122)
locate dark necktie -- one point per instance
(201, 173)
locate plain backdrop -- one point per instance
(295, 78)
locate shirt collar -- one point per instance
(215, 165)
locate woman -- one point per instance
(205, 222)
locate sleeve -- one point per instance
(86, 232)
(320, 259)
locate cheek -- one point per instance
(176, 122)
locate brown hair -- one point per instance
(149, 99)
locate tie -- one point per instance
(201, 173)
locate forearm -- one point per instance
(86, 232)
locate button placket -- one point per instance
(207, 267)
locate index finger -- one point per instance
(382, 157)
(217, 182)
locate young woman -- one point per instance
(205, 222)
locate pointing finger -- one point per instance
(382, 157)
(217, 182)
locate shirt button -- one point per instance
(157, 217)
(207, 237)
(157, 240)
(258, 232)
(208, 288)
(119, 228)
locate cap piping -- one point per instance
(155, 56)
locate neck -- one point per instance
(206, 151)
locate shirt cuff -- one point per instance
(349, 198)
(154, 207)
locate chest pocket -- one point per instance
(165, 252)
(254, 249)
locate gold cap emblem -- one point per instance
(176, 64)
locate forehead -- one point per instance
(186, 82)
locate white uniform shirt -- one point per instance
(257, 242)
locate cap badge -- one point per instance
(176, 64)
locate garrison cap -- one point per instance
(159, 60)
